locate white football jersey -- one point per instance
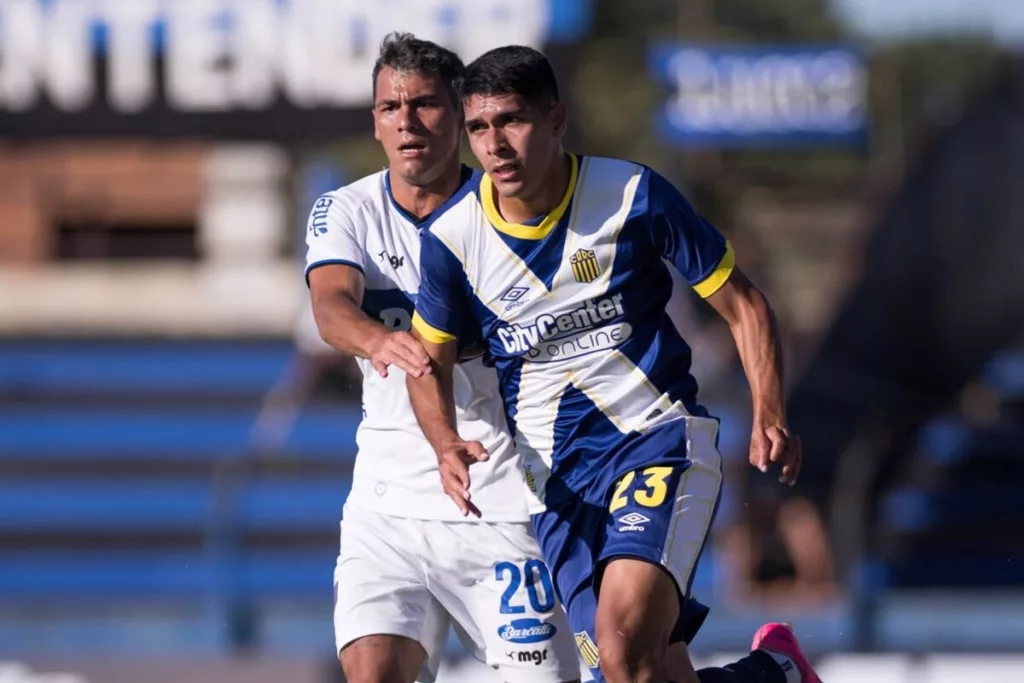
(395, 472)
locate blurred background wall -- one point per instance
(176, 445)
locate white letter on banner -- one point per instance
(130, 53)
(839, 79)
(792, 94)
(254, 46)
(346, 36)
(487, 24)
(695, 104)
(295, 54)
(195, 45)
(21, 53)
(67, 58)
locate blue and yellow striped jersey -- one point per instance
(572, 311)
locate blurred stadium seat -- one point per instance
(130, 494)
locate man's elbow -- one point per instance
(750, 306)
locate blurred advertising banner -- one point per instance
(753, 96)
(266, 69)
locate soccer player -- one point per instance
(409, 564)
(559, 262)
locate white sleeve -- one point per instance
(332, 237)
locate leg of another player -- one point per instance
(775, 657)
(757, 667)
(382, 659)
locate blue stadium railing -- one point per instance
(134, 513)
(134, 516)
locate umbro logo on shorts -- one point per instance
(634, 521)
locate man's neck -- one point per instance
(552, 190)
(421, 201)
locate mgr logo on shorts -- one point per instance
(587, 648)
(585, 267)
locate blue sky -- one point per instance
(1002, 18)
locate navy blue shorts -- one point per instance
(660, 511)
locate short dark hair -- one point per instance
(512, 70)
(406, 52)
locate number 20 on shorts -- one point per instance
(655, 481)
(535, 572)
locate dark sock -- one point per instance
(757, 667)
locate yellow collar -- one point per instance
(527, 232)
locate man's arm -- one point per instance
(441, 315)
(752, 323)
(433, 396)
(706, 259)
(433, 401)
(337, 294)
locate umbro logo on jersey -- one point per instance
(514, 294)
(514, 297)
(634, 521)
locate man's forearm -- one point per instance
(433, 402)
(343, 325)
(757, 340)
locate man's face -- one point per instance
(417, 123)
(515, 143)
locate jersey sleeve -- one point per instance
(694, 247)
(332, 237)
(442, 304)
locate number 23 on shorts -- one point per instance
(650, 491)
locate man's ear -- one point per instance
(560, 118)
(376, 132)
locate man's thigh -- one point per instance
(657, 517)
(383, 659)
(661, 515)
(492, 580)
(383, 607)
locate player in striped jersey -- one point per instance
(559, 261)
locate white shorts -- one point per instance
(413, 578)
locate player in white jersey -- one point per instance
(560, 262)
(409, 564)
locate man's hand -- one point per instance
(453, 464)
(770, 443)
(401, 349)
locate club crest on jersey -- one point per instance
(585, 267)
(531, 481)
(588, 649)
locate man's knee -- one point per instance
(628, 660)
(636, 609)
(382, 659)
